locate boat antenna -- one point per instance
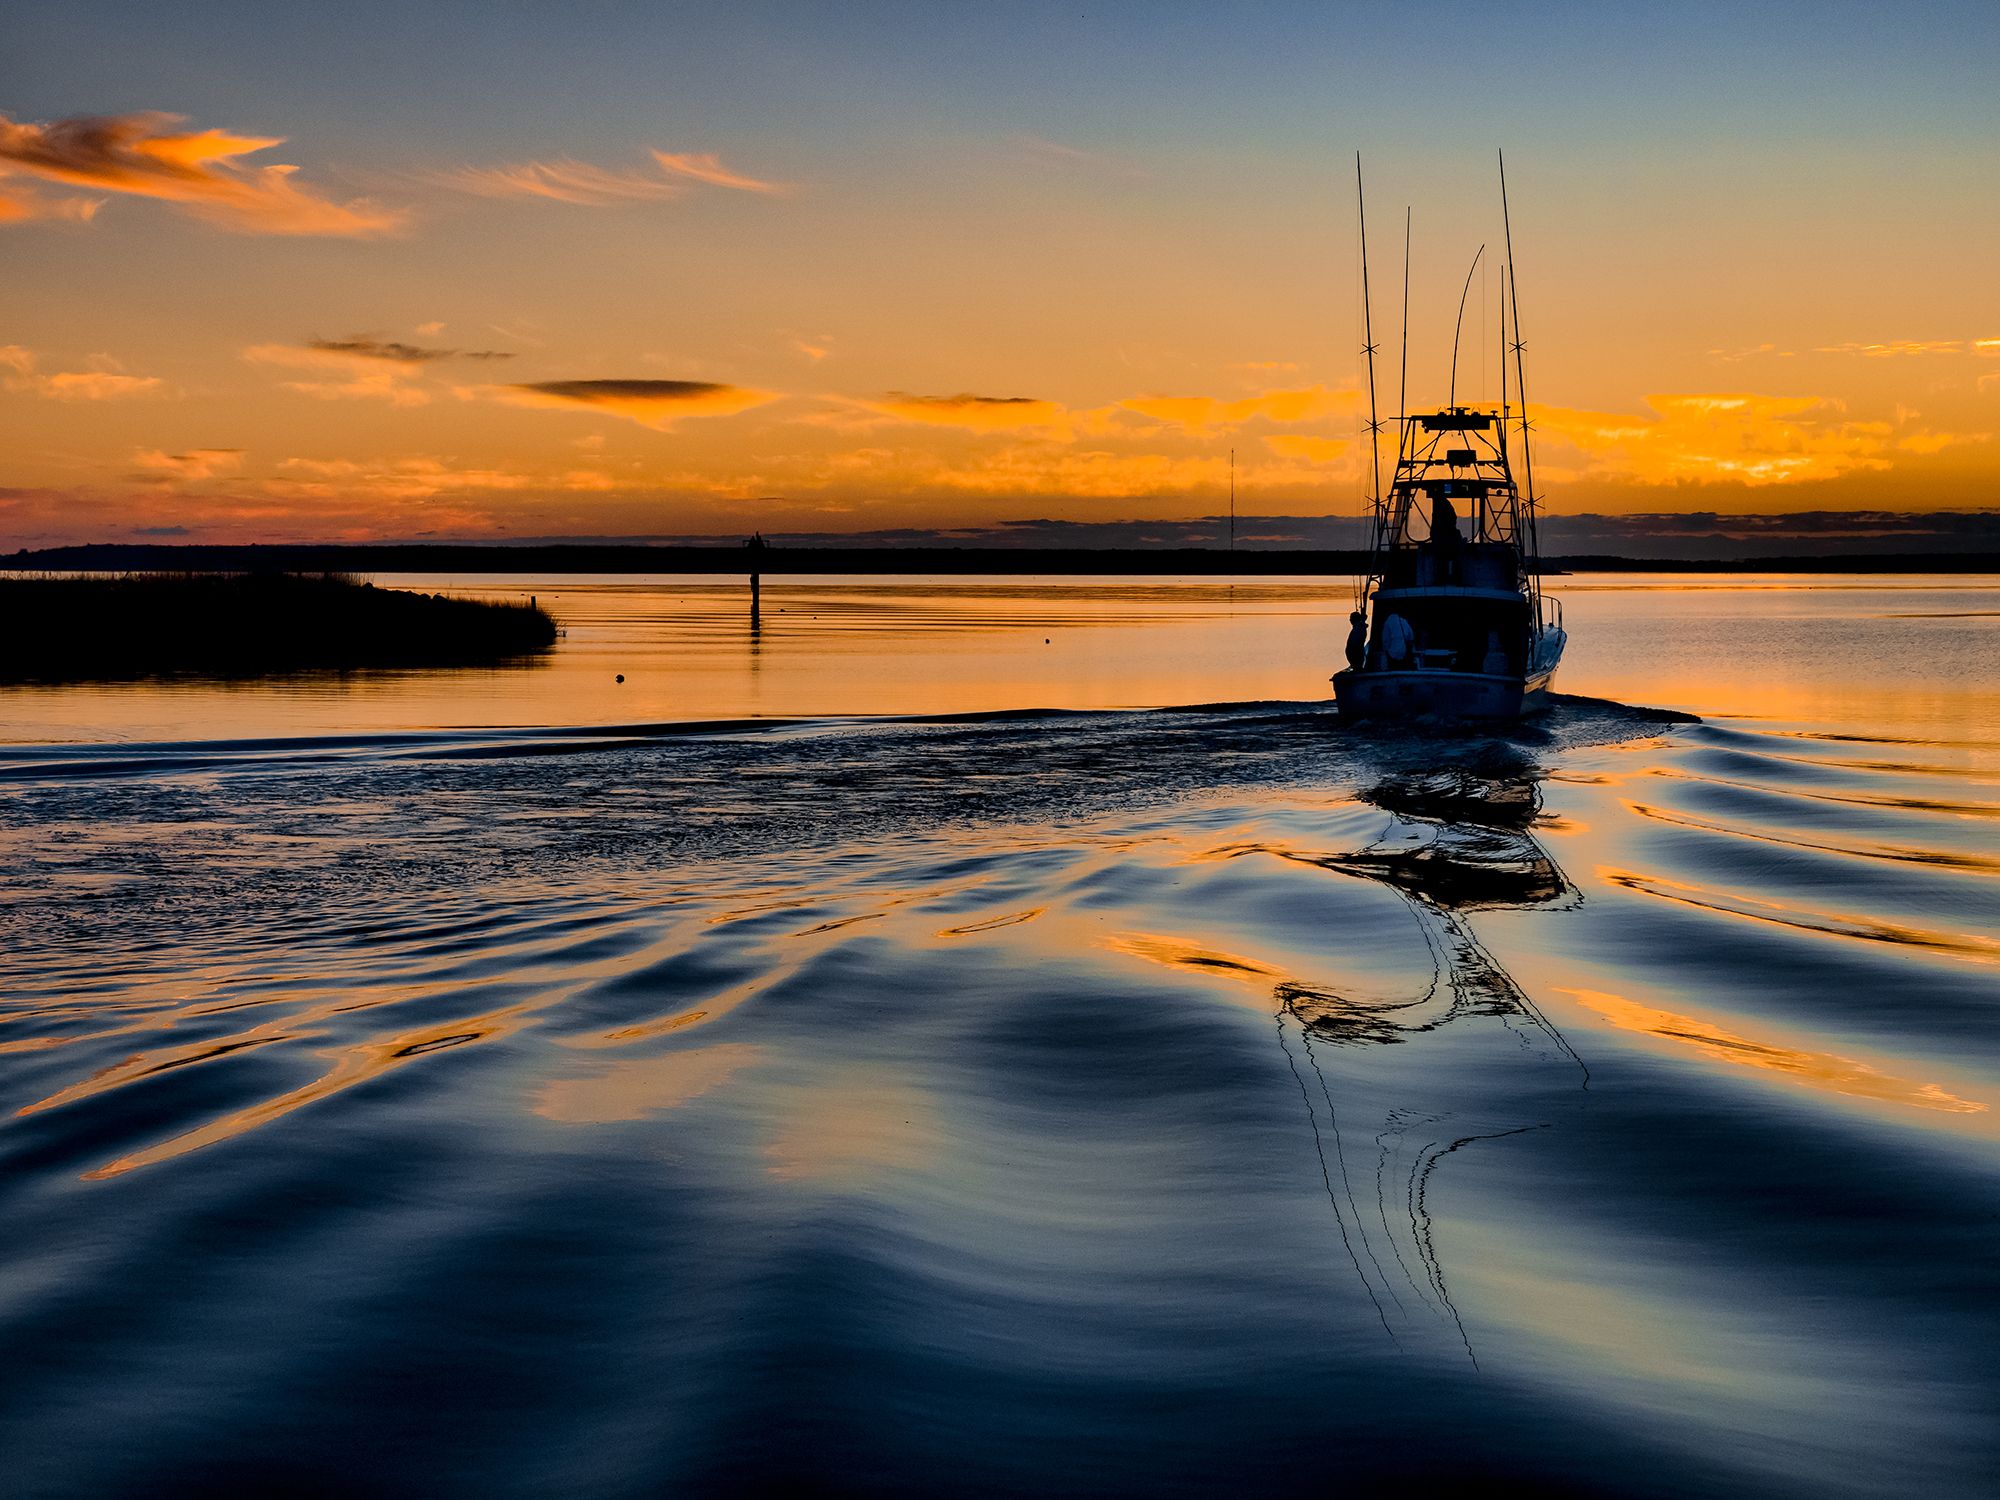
(1505, 272)
(1368, 343)
(1520, 379)
(1459, 326)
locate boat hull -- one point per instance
(1443, 695)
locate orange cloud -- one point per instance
(972, 413)
(1204, 413)
(196, 463)
(707, 167)
(1095, 473)
(416, 478)
(1312, 450)
(137, 154)
(1937, 442)
(21, 203)
(1041, 468)
(362, 376)
(1707, 438)
(73, 385)
(651, 403)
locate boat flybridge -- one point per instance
(1450, 617)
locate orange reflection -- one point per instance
(1870, 929)
(356, 1064)
(644, 1086)
(1181, 953)
(1943, 859)
(1817, 1070)
(1012, 919)
(854, 1125)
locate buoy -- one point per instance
(621, 677)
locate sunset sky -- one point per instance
(410, 271)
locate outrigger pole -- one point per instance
(1368, 347)
(1520, 378)
(1403, 400)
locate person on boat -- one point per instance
(1399, 643)
(1495, 664)
(1445, 538)
(1357, 639)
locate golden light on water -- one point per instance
(1815, 1070)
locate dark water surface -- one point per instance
(1054, 1102)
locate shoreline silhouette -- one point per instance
(69, 629)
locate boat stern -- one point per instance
(1439, 694)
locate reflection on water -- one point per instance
(1459, 839)
(1840, 1075)
(1054, 1101)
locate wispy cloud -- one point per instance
(563, 181)
(140, 155)
(707, 167)
(1898, 348)
(105, 383)
(1895, 348)
(366, 346)
(1737, 355)
(1056, 153)
(567, 180)
(651, 403)
(970, 412)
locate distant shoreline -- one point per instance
(737, 560)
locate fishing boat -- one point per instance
(1450, 619)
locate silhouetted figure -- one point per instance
(1357, 639)
(1495, 664)
(1445, 539)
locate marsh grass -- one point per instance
(102, 628)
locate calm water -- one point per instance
(478, 1083)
